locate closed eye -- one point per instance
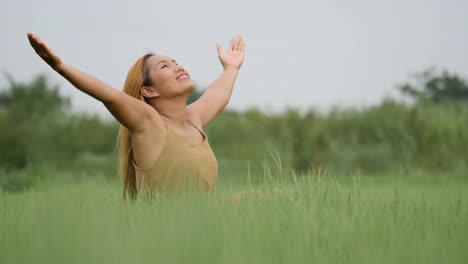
(164, 66)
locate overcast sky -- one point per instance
(299, 53)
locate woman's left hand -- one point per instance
(234, 55)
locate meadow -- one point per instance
(381, 184)
(316, 218)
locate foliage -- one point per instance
(435, 86)
(390, 136)
(37, 129)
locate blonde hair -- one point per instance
(137, 77)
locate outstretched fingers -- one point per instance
(39, 46)
(43, 51)
(239, 44)
(231, 45)
(238, 40)
(32, 41)
(236, 44)
(242, 45)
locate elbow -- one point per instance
(224, 101)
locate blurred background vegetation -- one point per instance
(424, 130)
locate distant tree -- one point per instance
(35, 98)
(37, 126)
(13, 148)
(436, 86)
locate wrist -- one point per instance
(231, 69)
(58, 67)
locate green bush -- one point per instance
(38, 130)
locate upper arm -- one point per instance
(210, 104)
(132, 113)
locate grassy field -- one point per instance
(320, 219)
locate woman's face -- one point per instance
(169, 78)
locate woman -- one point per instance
(162, 145)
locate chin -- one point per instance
(190, 87)
(185, 88)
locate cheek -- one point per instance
(162, 79)
(161, 76)
(165, 84)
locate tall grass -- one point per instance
(316, 219)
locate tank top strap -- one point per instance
(199, 130)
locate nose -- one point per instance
(179, 68)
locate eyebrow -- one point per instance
(165, 61)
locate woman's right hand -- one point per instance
(44, 52)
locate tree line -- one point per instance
(38, 128)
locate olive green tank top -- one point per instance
(181, 165)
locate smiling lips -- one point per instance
(183, 77)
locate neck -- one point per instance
(172, 110)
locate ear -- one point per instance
(149, 92)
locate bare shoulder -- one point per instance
(153, 131)
(148, 120)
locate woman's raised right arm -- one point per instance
(129, 111)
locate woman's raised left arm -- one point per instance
(218, 93)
